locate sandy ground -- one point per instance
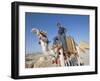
(85, 57)
(41, 60)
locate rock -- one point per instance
(44, 61)
(29, 64)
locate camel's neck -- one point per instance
(44, 46)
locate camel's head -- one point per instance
(34, 30)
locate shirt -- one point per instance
(61, 30)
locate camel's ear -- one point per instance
(32, 30)
(45, 32)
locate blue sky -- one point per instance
(77, 26)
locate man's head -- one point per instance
(58, 25)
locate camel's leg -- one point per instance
(80, 62)
(61, 57)
(61, 61)
(69, 62)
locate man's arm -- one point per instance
(64, 30)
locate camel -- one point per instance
(56, 51)
(43, 40)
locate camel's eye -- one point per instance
(39, 42)
(59, 53)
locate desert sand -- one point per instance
(37, 60)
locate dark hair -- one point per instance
(58, 24)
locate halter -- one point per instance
(43, 37)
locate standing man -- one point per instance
(62, 36)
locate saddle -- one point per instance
(43, 34)
(71, 47)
